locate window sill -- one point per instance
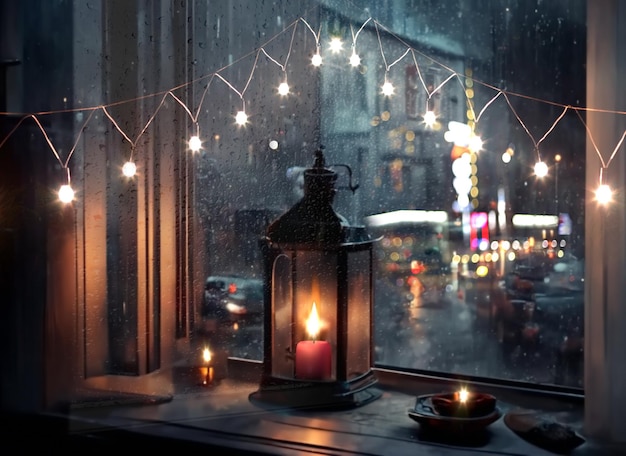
(222, 417)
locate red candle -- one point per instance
(313, 360)
(313, 357)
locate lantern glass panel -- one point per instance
(359, 314)
(282, 314)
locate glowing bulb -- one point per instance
(241, 118)
(604, 194)
(336, 45)
(506, 158)
(387, 89)
(430, 118)
(283, 88)
(195, 144)
(475, 144)
(273, 144)
(66, 193)
(541, 169)
(129, 169)
(355, 60)
(316, 60)
(463, 395)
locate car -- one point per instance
(566, 278)
(228, 298)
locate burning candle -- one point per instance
(462, 395)
(207, 370)
(313, 357)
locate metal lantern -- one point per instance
(318, 344)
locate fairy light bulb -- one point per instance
(195, 143)
(129, 169)
(283, 88)
(475, 144)
(387, 88)
(604, 194)
(66, 193)
(335, 45)
(316, 60)
(429, 119)
(541, 169)
(506, 158)
(241, 118)
(355, 60)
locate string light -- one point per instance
(430, 118)
(387, 88)
(475, 143)
(66, 193)
(316, 60)
(336, 45)
(273, 144)
(195, 143)
(541, 169)
(604, 194)
(283, 88)
(355, 60)
(129, 169)
(241, 118)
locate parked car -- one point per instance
(567, 277)
(230, 298)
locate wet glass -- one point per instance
(433, 114)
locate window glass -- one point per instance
(432, 114)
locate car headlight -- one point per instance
(235, 308)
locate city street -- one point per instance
(448, 335)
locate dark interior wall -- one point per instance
(28, 176)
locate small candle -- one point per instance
(313, 357)
(207, 371)
(462, 395)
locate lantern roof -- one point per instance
(312, 221)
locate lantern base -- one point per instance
(317, 394)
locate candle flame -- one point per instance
(463, 395)
(206, 355)
(313, 323)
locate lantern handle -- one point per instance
(350, 185)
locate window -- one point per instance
(133, 260)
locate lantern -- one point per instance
(318, 303)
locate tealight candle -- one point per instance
(462, 396)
